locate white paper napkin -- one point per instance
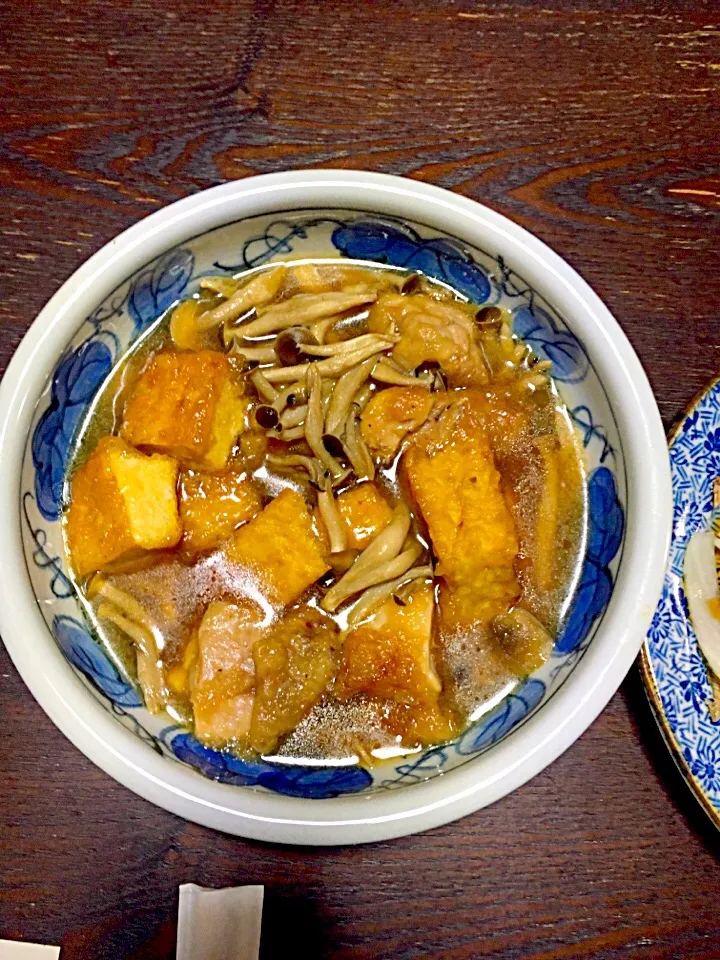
(20, 950)
(217, 924)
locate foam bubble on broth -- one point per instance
(332, 730)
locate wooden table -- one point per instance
(593, 124)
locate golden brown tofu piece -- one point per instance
(540, 460)
(391, 415)
(421, 723)
(223, 674)
(188, 405)
(432, 330)
(281, 548)
(294, 663)
(121, 501)
(453, 478)
(364, 512)
(186, 332)
(389, 657)
(178, 676)
(212, 505)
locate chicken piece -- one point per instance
(294, 663)
(389, 657)
(225, 641)
(223, 675)
(364, 512)
(432, 330)
(282, 549)
(228, 721)
(454, 480)
(188, 405)
(391, 415)
(212, 505)
(120, 501)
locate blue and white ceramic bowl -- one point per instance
(112, 299)
(673, 667)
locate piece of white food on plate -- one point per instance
(701, 589)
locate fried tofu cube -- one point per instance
(391, 415)
(282, 549)
(178, 676)
(121, 501)
(223, 674)
(294, 663)
(185, 330)
(364, 512)
(212, 505)
(418, 724)
(188, 405)
(431, 330)
(389, 657)
(455, 482)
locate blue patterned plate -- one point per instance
(673, 667)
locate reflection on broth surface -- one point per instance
(327, 511)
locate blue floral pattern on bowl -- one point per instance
(314, 783)
(77, 379)
(673, 666)
(132, 309)
(606, 524)
(402, 246)
(158, 286)
(85, 653)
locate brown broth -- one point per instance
(175, 589)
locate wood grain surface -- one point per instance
(593, 124)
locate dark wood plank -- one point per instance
(594, 125)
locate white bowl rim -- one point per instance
(548, 733)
